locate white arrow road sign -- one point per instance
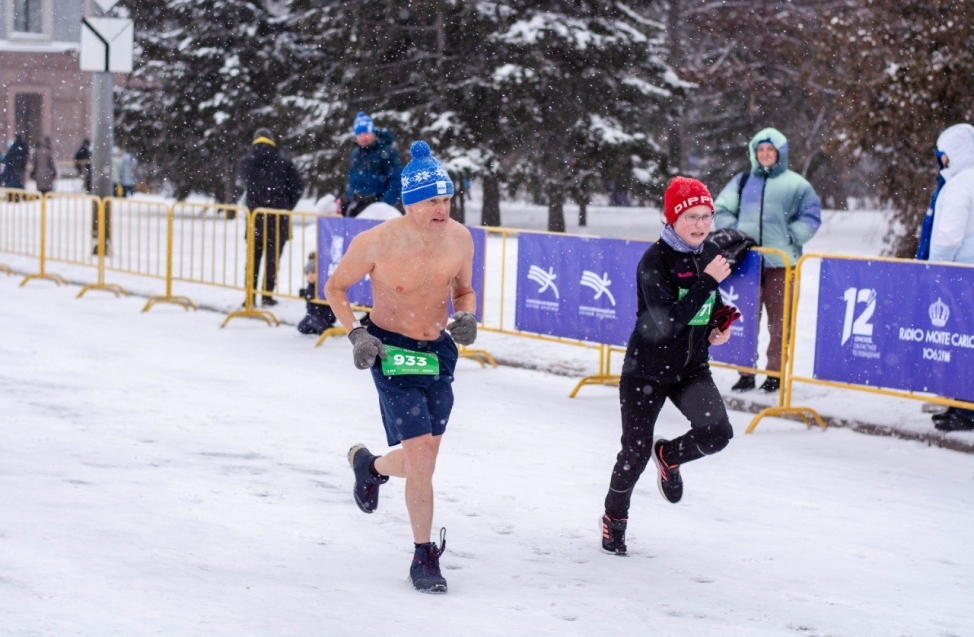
(107, 45)
(106, 5)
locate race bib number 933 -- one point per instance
(405, 362)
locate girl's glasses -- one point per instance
(695, 219)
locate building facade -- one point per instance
(43, 92)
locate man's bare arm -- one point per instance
(356, 263)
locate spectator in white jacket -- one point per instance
(953, 220)
(952, 239)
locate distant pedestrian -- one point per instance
(116, 171)
(680, 315)
(15, 164)
(952, 238)
(126, 172)
(272, 182)
(82, 163)
(44, 170)
(374, 170)
(779, 209)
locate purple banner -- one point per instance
(899, 325)
(336, 233)
(577, 287)
(479, 264)
(742, 289)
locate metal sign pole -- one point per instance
(102, 133)
(102, 118)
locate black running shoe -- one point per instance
(944, 415)
(744, 383)
(366, 488)
(771, 384)
(957, 421)
(667, 475)
(424, 573)
(613, 536)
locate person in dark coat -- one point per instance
(82, 163)
(680, 314)
(15, 164)
(374, 171)
(44, 171)
(272, 182)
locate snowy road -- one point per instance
(161, 476)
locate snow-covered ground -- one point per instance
(161, 476)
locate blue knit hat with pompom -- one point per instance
(424, 177)
(363, 124)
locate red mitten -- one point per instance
(724, 316)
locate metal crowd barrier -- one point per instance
(268, 233)
(204, 246)
(20, 224)
(809, 415)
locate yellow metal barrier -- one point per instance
(142, 243)
(809, 414)
(206, 246)
(102, 251)
(496, 324)
(785, 329)
(20, 224)
(268, 232)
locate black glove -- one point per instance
(365, 348)
(724, 316)
(463, 329)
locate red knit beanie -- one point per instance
(684, 193)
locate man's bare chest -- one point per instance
(416, 271)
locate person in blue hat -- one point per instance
(418, 265)
(374, 170)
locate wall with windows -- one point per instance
(43, 92)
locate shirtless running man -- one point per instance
(417, 264)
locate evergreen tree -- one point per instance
(206, 78)
(417, 69)
(907, 73)
(583, 91)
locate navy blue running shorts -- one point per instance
(413, 405)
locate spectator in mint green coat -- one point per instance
(779, 209)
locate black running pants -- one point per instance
(697, 397)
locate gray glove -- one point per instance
(463, 329)
(365, 348)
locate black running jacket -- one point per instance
(675, 302)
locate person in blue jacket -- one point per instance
(374, 170)
(779, 209)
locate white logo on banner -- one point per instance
(600, 285)
(939, 313)
(544, 279)
(730, 297)
(935, 339)
(335, 254)
(859, 327)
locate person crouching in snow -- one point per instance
(319, 317)
(679, 315)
